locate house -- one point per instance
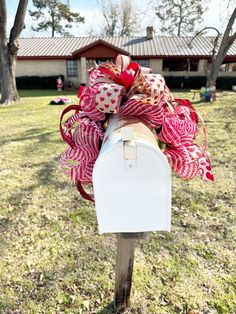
(73, 56)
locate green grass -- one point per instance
(54, 261)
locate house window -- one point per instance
(180, 65)
(71, 66)
(142, 62)
(103, 60)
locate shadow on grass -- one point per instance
(228, 111)
(6, 307)
(46, 93)
(109, 309)
(45, 175)
(33, 134)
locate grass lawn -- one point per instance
(54, 261)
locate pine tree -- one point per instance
(51, 14)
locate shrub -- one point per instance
(225, 83)
(185, 82)
(197, 82)
(37, 82)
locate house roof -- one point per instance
(160, 46)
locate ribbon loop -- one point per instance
(122, 62)
(108, 97)
(128, 89)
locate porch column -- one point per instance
(202, 65)
(156, 65)
(230, 67)
(83, 70)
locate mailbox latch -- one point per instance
(130, 148)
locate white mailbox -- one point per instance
(131, 180)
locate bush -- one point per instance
(37, 82)
(185, 82)
(197, 82)
(225, 83)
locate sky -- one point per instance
(215, 16)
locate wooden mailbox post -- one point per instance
(124, 267)
(132, 189)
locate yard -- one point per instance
(54, 261)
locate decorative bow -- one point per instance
(111, 83)
(128, 89)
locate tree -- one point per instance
(110, 13)
(221, 46)
(9, 49)
(120, 19)
(51, 13)
(128, 18)
(180, 17)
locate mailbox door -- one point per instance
(132, 195)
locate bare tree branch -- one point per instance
(19, 20)
(230, 23)
(18, 26)
(232, 39)
(202, 30)
(180, 17)
(220, 48)
(121, 18)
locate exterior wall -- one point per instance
(46, 68)
(57, 67)
(228, 74)
(195, 73)
(40, 67)
(202, 63)
(228, 67)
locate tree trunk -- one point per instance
(8, 82)
(219, 58)
(212, 76)
(8, 50)
(226, 43)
